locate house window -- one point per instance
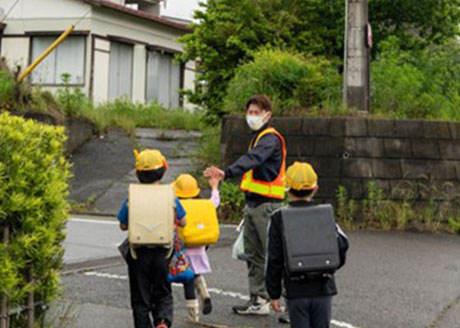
(121, 70)
(68, 57)
(163, 79)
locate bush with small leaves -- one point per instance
(33, 208)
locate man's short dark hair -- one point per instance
(151, 176)
(260, 100)
(301, 193)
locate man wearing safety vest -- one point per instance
(263, 170)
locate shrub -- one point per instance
(73, 101)
(33, 191)
(417, 84)
(232, 202)
(208, 152)
(346, 207)
(6, 87)
(294, 82)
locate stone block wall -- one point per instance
(396, 154)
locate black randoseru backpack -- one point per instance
(310, 240)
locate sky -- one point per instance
(180, 8)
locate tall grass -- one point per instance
(125, 114)
(423, 207)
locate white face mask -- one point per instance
(255, 122)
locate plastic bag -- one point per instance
(238, 246)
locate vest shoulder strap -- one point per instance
(268, 131)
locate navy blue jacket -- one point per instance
(265, 159)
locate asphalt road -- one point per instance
(390, 280)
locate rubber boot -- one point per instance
(193, 310)
(202, 289)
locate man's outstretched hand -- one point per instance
(214, 172)
(276, 305)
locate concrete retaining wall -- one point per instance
(396, 154)
(79, 130)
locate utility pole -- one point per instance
(358, 42)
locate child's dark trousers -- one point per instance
(310, 312)
(150, 289)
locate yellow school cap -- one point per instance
(301, 176)
(148, 160)
(186, 186)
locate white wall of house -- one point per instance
(16, 51)
(40, 9)
(101, 28)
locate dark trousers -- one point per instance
(255, 245)
(189, 290)
(310, 312)
(150, 289)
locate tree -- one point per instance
(228, 32)
(417, 23)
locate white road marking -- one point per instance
(228, 226)
(217, 291)
(81, 220)
(342, 324)
(94, 221)
(230, 294)
(105, 275)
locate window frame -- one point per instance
(169, 52)
(33, 35)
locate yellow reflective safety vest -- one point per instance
(271, 189)
(202, 226)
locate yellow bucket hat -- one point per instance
(149, 160)
(186, 186)
(301, 176)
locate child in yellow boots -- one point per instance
(186, 187)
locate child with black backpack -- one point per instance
(309, 281)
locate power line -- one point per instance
(9, 11)
(82, 17)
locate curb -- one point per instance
(77, 267)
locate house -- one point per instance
(120, 48)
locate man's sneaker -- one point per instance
(284, 318)
(256, 306)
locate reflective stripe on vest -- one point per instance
(270, 189)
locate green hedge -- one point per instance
(33, 191)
